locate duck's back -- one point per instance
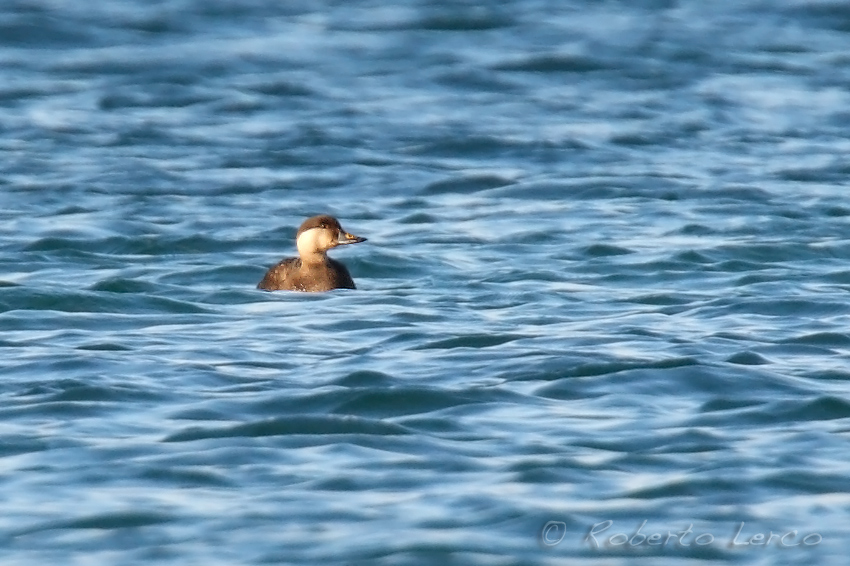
(292, 274)
(280, 276)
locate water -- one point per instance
(604, 296)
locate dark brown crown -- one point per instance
(321, 221)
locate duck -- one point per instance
(313, 271)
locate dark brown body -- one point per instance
(292, 274)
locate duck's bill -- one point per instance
(346, 238)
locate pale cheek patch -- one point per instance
(315, 240)
(309, 241)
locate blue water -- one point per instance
(602, 316)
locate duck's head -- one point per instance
(321, 233)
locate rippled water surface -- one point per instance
(604, 296)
